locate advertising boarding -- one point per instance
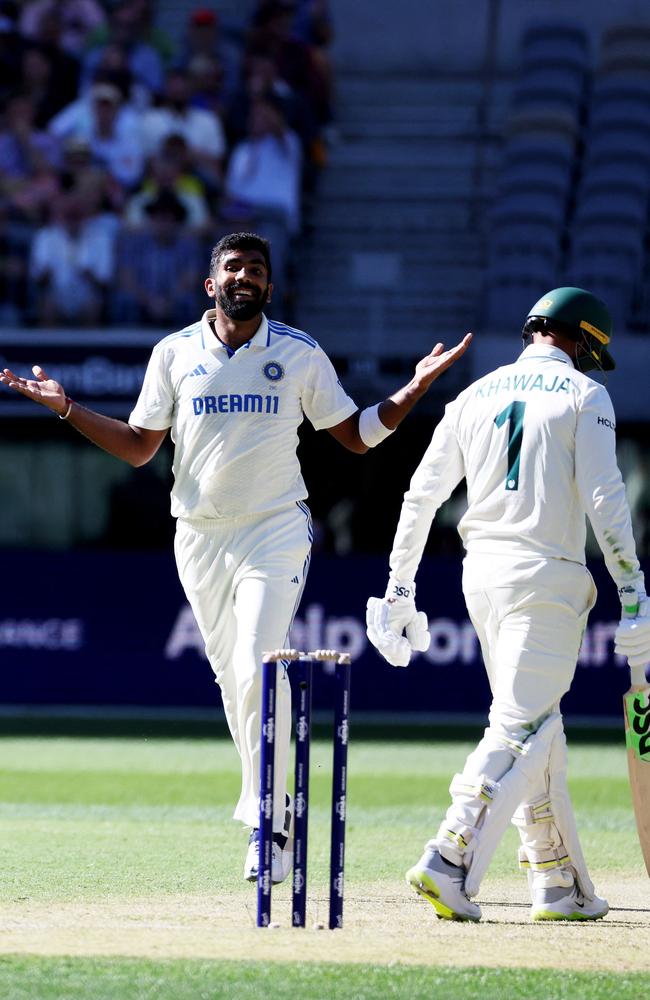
(114, 629)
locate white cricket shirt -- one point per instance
(536, 443)
(234, 417)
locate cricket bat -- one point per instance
(636, 711)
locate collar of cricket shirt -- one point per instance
(211, 341)
(545, 351)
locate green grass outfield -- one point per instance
(99, 979)
(121, 877)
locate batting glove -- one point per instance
(388, 618)
(632, 637)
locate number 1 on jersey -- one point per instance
(514, 414)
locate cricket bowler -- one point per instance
(535, 442)
(233, 388)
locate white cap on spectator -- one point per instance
(106, 92)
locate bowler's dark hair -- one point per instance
(240, 241)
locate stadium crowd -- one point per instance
(125, 153)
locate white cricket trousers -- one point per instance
(243, 578)
(530, 616)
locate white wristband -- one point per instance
(371, 430)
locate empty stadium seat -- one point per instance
(561, 86)
(625, 46)
(508, 299)
(536, 173)
(534, 203)
(618, 138)
(617, 290)
(626, 110)
(540, 121)
(620, 243)
(618, 204)
(614, 170)
(520, 237)
(555, 43)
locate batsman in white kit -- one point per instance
(535, 442)
(233, 389)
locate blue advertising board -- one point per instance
(114, 629)
(101, 369)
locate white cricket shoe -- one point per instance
(560, 903)
(443, 884)
(279, 867)
(281, 850)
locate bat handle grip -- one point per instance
(629, 602)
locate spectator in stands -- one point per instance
(48, 36)
(312, 24)
(263, 186)
(130, 30)
(165, 173)
(78, 18)
(31, 202)
(79, 172)
(176, 148)
(156, 279)
(206, 85)
(202, 130)
(25, 150)
(14, 254)
(272, 32)
(71, 265)
(145, 14)
(111, 129)
(29, 158)
(51, 80)
(96, 189)
(205, 38)
(12, 46)
(264, 169)
(113, 67)
(260, 80)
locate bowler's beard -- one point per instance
(245, 309)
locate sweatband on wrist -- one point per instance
(371, 430)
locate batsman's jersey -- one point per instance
(535, 441)
(234, 416)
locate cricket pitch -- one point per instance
(385, 925)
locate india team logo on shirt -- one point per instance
(273, 371)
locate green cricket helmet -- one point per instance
(579, 315)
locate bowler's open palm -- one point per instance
(430, 367)
(41, 388)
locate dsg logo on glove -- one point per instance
(394, 625)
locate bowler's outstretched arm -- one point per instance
(135, 445)
(393, 409)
